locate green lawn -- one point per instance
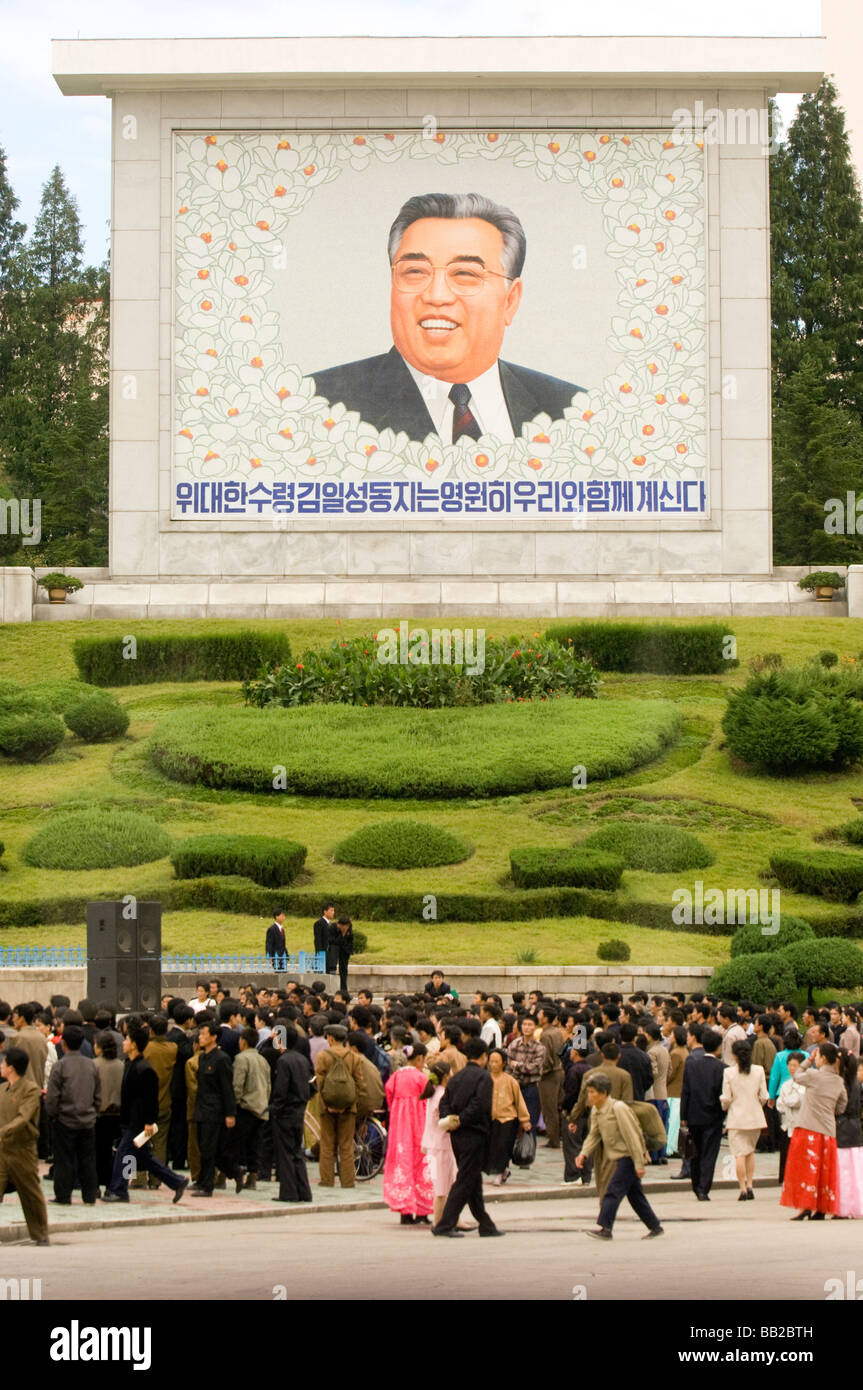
(742, 817)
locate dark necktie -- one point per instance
(464, 421)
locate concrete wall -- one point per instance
(180, 568)
(562, 982)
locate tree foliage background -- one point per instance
(53, 379)
(817, 326)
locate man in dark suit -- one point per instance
(290, 1094)
(215, 1114)
(468, 1098)
(139, 1110)
(636, 1062)
(275, 946)
(456, 262)
(321, 929)
(340, 948)
(700, 1109)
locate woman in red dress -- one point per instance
(407, 1180)
(811, 1176)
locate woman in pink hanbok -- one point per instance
(437, 1145)
(407, 1182)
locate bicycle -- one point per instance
(370, 1148)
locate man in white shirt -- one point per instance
(732, 1032)
(490, 1032)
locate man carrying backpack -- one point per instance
(341, 1087)
(615, 1130)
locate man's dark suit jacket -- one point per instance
(321, 930)
(139, 1095)
(291, 1083)
(276, 943)
(469, 1094)
(385, 394)
(215, 1087)
(702, 1086)
(339, 948)
(637, 1063)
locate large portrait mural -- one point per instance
(469, 326)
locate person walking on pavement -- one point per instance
(139, 1109)
(466, 1105)
(701, 1109)
(614, 1128)
(20, 1102)
(215, 1114)
(72, 1102)
(342, 1091)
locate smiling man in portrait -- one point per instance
(456, 262)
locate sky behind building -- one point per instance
(40, 128)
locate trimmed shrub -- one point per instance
(60, 694)
(615, 949)
(662, 648)
(660, 849)
(761, 976)
(828, 659)
(787, 721)
(566, 868)
(828, 963)
(852, 831)
(97, 718)
(21, 699)
(825, 873)
(401, 844)
(334, 750)
(750, 937)
(96, 840)
(29, 737)
(261, 858)
(217, 654)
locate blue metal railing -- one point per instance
(301, 963)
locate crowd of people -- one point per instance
(252, 1086)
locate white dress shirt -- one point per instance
(487, 403)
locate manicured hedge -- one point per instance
(797, 720)
(401, 844)
(97, 718)
(218, 654)
(750, 938)
(660, 849)
(827, 873)
(30, 737)
(58, 695)
(830, 963)
(663, 648)
(96, 840)
(338, 750)
(761, 976)
(262, 858)
(568, 868)
(852, 831)
(615, 949)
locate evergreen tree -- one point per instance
(817, 456)
(817, 251)
(11, 231)
(54, 411)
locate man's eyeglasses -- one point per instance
(413, 277)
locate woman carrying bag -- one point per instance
(744, 1093)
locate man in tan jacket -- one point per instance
(20, 1098)
(338, 1123)
(621, 1081)
(615, 1130)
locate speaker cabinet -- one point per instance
(124, 955)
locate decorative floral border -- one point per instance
(242, 410)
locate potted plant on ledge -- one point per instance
(59, 585)
(824, 582)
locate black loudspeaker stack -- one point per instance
(124, 955)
